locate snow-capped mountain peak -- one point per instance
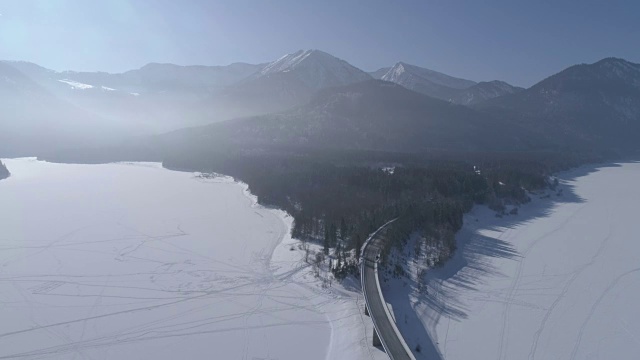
(405, 73)
(425, 81)
(396, 71)
(316, 69)
(286, 62)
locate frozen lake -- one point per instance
(132, 261)
(561, 280)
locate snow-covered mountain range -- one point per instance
(163, 97)
(594, 107)
(442, 86)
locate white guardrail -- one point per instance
(386, 309)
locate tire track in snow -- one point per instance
(565, 289)
(516, 280)
(92, 311)
(595, 306)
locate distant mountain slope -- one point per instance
(150, 78)
(154, 98)
(34, 119)
(156, 77)
(287, 82)
(425, 81)
(584, 105)
(163, 97)
(484, 91)
(371, 115)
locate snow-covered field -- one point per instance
(561, 280)
(132, 261)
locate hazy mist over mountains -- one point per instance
(311, 98)
(426, 180)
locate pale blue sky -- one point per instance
(517, 41)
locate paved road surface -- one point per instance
(390, 337)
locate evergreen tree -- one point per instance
(333, 235)
(358, 246)
(326, 241)
(343, 230)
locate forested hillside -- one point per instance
(586, 106)
(371, 115)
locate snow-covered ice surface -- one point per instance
(561, 280)
(133, 261)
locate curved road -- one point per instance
(390, 337)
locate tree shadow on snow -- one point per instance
(473, 262)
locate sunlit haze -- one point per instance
(519, 42)
(302, 179)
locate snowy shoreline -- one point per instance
(172, 264)
(343, 307)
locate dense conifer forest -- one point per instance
(338, 203)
